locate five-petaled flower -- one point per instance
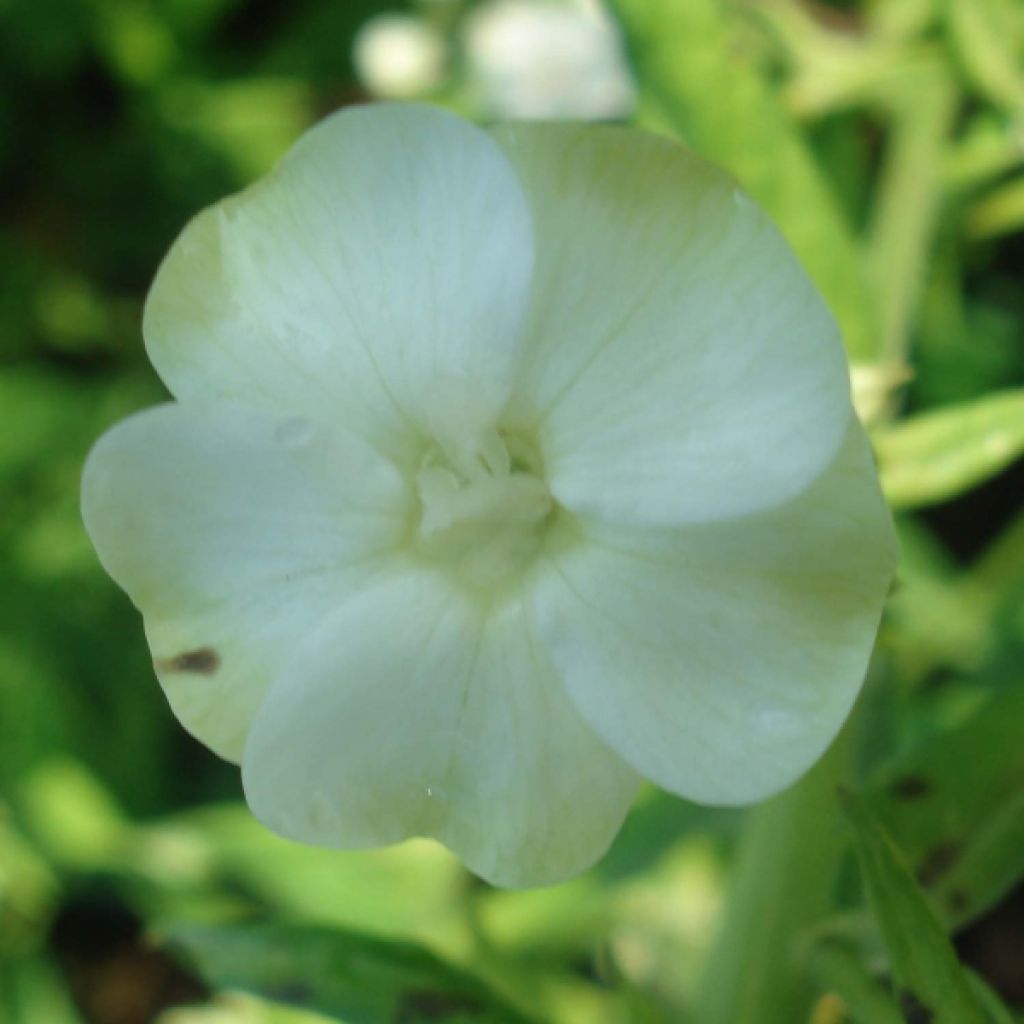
(505, 468)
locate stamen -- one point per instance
(483, 506)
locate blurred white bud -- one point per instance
(545, 58)
(399, 56)
(876, 388)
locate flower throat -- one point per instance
(483, 507)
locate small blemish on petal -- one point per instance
(319, 810)
(779, 721)
(294, 432)
(203, 661)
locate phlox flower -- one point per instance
(537, 59)
(505, 468)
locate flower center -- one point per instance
(484, 506)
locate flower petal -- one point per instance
(414, 712)
(720, 659)
(234, 532)
(680, 365)
(383, 265)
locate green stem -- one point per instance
(782, 883)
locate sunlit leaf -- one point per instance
(412, 890)
(937, 455)
(719, 104)
(984, 41)
(360, 979)
(1000, 212)
(252, 121)
(239, 1008)
(902, 20)
(921, 101)
(988, 148)
(71, 816)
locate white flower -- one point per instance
(399, 56)
(505, 469)
(547, 59)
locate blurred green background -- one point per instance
(887, 140)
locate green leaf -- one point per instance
(251, 121)
(999, 571)
(954, 805)
(937, 619)
(692, 80)
(921, 102)
(937, 455)
(1000, 212)
(983, 40)
(989, 998)
(840, 971)
(928, 975)
(71, 816)
(986, 150)
(414, 890)
(358, 979)
(32, 989)
(989, 865)
(28, 889)
(240, 1008)
(900, 20)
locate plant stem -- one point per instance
(783, 881)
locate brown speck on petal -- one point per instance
(203, 661)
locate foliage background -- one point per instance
(887, 139)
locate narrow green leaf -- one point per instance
(359, 979)
(983, 40)
(954, 805)
(900, 20)
(840, 971)
(689, 72)
(929, 977)
(990, 864)
(999, 571)
(989, 998)
(240, 1008)
(921, 102)
(987, 149)
(832, 69)
(1000, 212)
(937, 455)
